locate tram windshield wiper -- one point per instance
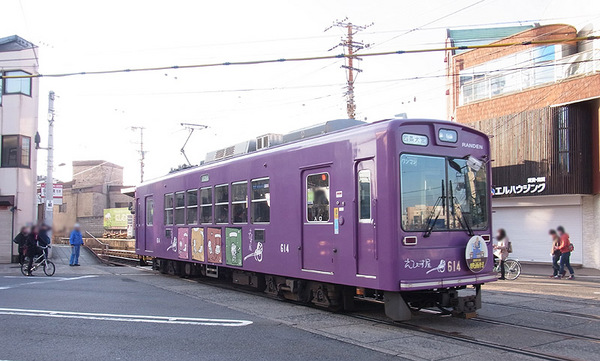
(464, 223)
(431, 220)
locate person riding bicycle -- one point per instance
(501, 251)
(32, 247)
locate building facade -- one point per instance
(540, 105)
(18, 126)
(96, 186)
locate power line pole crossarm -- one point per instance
(141, 151)
(351, 47)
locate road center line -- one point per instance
(125, 318)
(47, 280)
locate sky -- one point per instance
(95, 113)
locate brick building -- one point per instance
(96, 185)
(540, 104)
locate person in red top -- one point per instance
(565, 253)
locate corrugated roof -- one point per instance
(481, 36)
(14, 43)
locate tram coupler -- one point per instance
(465, 306)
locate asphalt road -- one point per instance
(96, 312)
(190, 328)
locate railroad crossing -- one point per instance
(99, 306)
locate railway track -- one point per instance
(379, 318)
(537, 329)
(466, 339)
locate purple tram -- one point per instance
(396, 211)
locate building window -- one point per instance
(169, 209)
(206, 205)
(149, 211)
(180, 208)
(16, 151)
(261, 201)
(62, 208)
(222, 204)
(17, 85)
(121, 205)
(239, 202)
(317, 197)
(564, 157)
(192, 207)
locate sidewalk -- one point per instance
(537, 269)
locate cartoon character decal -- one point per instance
(214, 245)
(233, 246)
(173, 246)
(476, 254)
(198, 244)
(183, 243)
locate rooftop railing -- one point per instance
(529, 76)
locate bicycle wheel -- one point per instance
(513, 269)
(24, 267)
(49, 268)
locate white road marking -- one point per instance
(47, 280)
(126, 318)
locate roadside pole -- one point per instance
(49, 204)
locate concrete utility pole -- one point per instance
(49, 206)
(141, 151)
(352, 47)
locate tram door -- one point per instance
(139, 226)
(366, 210)
(149, 222)
(317, 224)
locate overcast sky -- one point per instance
(95, 112)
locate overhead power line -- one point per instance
(300, 59)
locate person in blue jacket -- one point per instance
(76, 240)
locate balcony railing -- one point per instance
(511, 81)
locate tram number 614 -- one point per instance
(453, 266)
(284, 248)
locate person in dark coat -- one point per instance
(32, 247)
(20, 240)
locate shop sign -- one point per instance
(534, 185)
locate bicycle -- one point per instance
(512, 269)
(41, 260)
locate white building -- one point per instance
(18, 126)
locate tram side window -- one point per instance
(169, 209)
(180, 208)
(364, 194)
(222, 204)
(192, 206)
(149, 211)
(239, 202)
(317, 197)
(206, 205)
(261, 201)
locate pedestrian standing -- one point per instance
(21, 240)
(555, 253)
(501, 251)
(565, 253)
(76, 240)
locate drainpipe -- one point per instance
(13, 209)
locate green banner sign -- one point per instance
(116, 218)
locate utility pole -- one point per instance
(351, 47)
(141, 151)
(49, 206)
